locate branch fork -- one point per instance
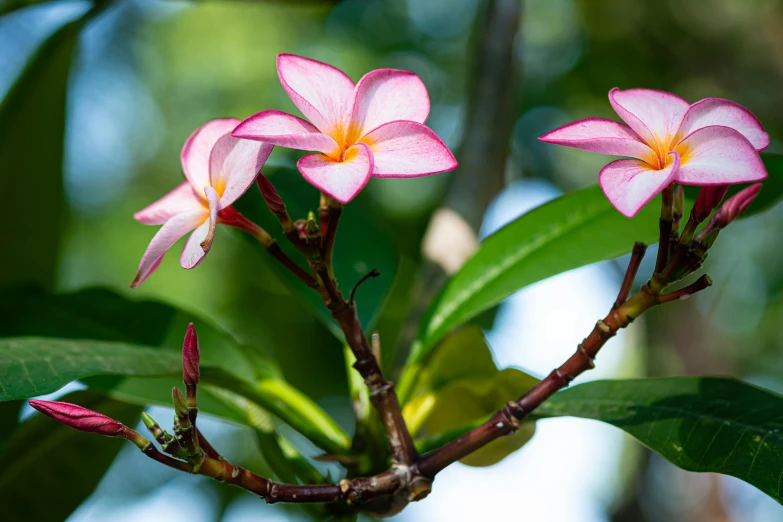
(410, 475)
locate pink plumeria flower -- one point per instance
(712, 142)
(219, 168)
(374, 128)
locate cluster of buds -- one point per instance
(187, 450)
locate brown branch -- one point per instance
(358, 490)
(330, 213)
(277, 252)
(382, 393)
(508, 420)
(665, 225)
(637, 254)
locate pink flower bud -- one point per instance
(736, 205)
(80, 418)
(272, 198)
(708, 199)
(190, 357)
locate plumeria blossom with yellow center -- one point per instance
(711, 142)
(374, 128)
(219, 168)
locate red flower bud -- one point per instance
(80, 418)
(190, 357)
(736, 205)
(272, 198)
(708, 199)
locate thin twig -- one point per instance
(371, 274)
(683, 293)
(637, 254)
(665, 225)
(277, 252)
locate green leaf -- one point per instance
(362, 244)
(35, 106)
(100, 314)
(704, 424)
(571, 231)
(31, 366)
(49, 469)
(159, 329)
(462, 385)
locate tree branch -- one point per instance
(507, 420)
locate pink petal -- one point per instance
(718, 156)
(234, 165)
(726, 113)
(340, 179)
(387, 95)
(600, 135)
(198, 147)
(323, 93)
(169, 233)
(654, 115)
(181, 199)
(630, 184)
(200, 241)
(285, 130)
(402, 149)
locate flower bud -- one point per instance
(180, 406)
(190, 357)
(708, 199)
(272, 198)
(735, 206)
(80, 418)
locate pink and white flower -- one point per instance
(711, 142)
(372, 129)
(219, 168)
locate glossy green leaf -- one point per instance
(31, 366)
(35, 106)
(704, 424)
(158, 329)
(571, 231)
(362, 244)
(49, 469)
(461, 385)
(100, 314)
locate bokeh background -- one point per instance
(500, 73)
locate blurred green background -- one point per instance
(82, 156)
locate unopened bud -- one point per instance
(180, 406)
(80, 418)
(735, 206)
(190, 357)
(301, 228)
(272, 198)
(312, 226)
(708, 199)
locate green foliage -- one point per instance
(32, 366)
(31, 114)
(573, 230)
(462, 385)
(698, 423)
(50, 469)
